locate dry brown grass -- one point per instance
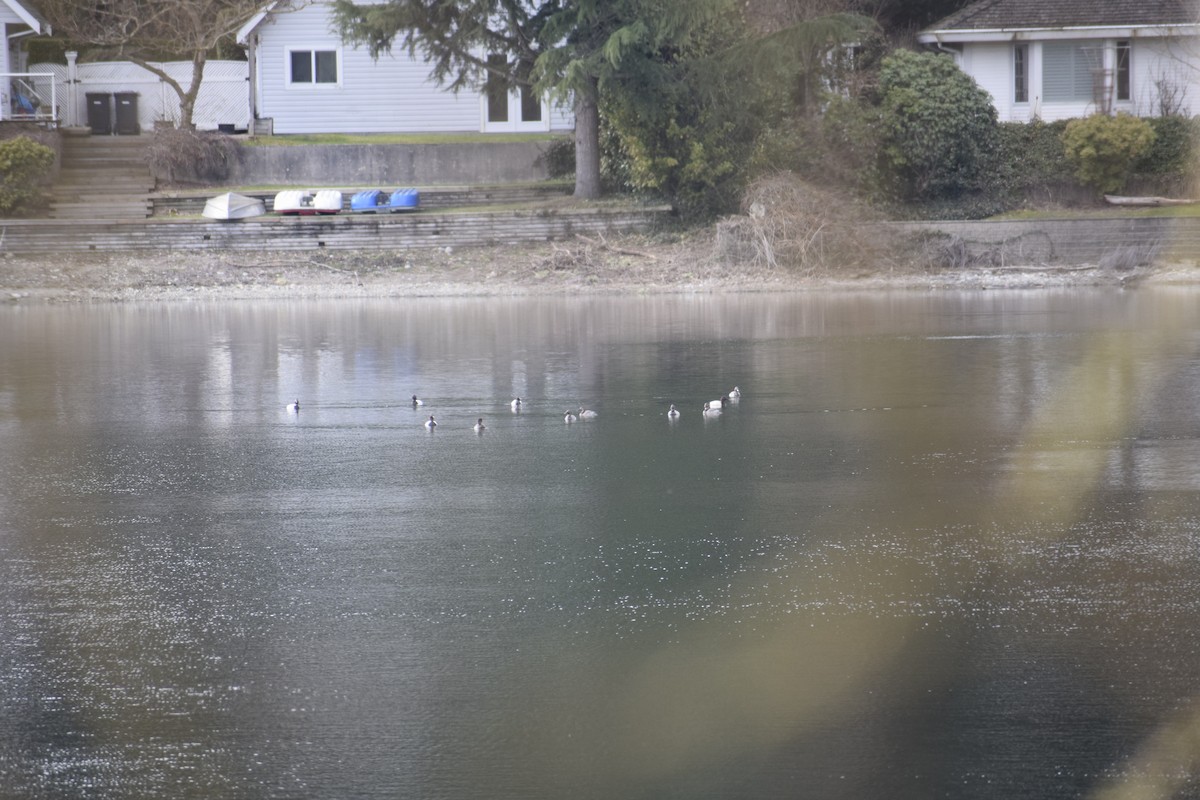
(809, 231)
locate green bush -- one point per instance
(1173, 152)
(560, 158)
(1029, 165)
(938, 128)
(851, 142)
(1103, 149)
(24, 166)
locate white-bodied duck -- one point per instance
(431, 423)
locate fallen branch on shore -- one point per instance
(332, 268)
(625, 251)
(1083, 268)
(1117, 200)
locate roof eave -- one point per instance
(27, 16)
(243, 34)
(1061, 32)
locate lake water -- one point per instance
(946, 546)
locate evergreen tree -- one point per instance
(578, 49)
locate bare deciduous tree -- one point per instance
(145, 31)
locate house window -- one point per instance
(1123, 70)
(496, 89)
(1069, 71)
(313, 66)
(531, 105)
(503, 104)
(1021, 73)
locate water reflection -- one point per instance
(945, 545)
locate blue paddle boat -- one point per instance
(369, 201)
(404, 200)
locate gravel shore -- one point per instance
(629, 264)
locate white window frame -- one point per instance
(312, 50)
(1024, 85)
(513, 124)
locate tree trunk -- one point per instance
(587, 145)
(187, 100)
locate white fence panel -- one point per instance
(223, 98)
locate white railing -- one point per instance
(28, 97)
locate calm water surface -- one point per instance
(947, 545)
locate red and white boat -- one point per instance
(302, 202)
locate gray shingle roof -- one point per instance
(1023, 14)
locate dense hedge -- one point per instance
(1030, 169)
(26, 167)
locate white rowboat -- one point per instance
(231, 206)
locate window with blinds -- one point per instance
(1069, 71)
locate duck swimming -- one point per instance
(585, 413)
(673, 412)
(479, 426)
(736, 394)
(516, 404)
(569, 418)
(714, 405)
(416, 402)
(431, 423)
(293, 407)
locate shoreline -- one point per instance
(627, 265)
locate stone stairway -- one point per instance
(103, 177)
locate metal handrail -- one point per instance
(13, 109)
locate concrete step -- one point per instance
(103, 158)
(67, 191)
(94, 199)
(84, 142)
(107, 211)
(106, 178)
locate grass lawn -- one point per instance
(1103, 212)
(397, 138)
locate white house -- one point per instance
(1056, 59)
(303, 79)
(20, 93)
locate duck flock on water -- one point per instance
(711, 408)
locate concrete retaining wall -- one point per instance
(392, 165)
(1068, 241)
(390, 232)
(442, 197)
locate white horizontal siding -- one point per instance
(7, 17)
(1172, 63)
(390, 95)
(991, 67)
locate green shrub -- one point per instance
(850, 144)
(938, 128)
(1173, 152)
(24, 166)
(1103, 149)
(560, 158)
